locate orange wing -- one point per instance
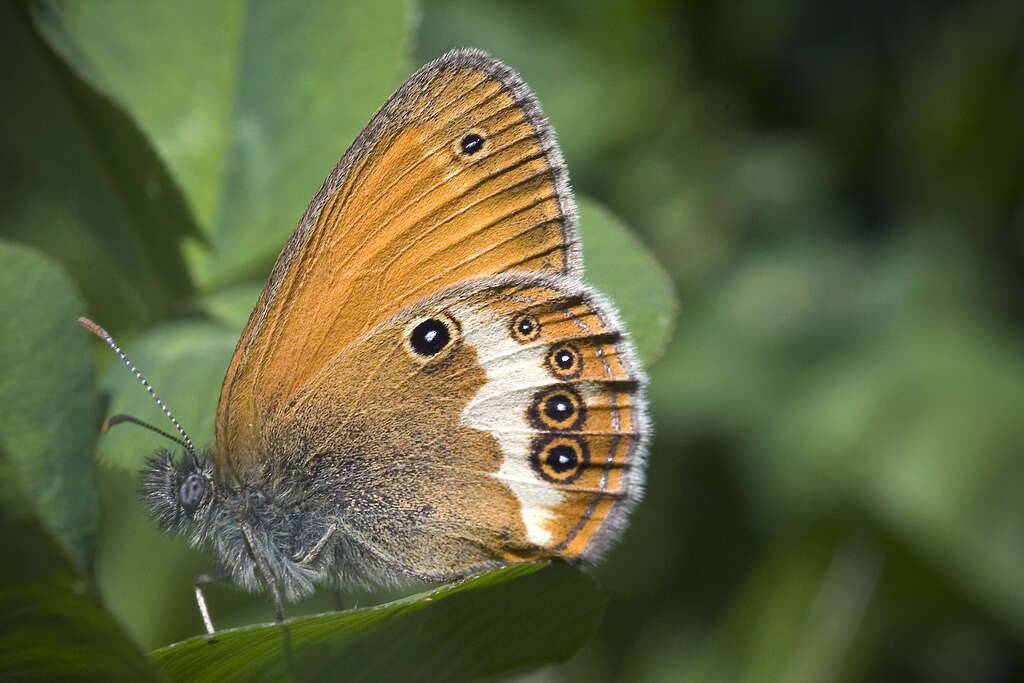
(456, 176)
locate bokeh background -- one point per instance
(836, 490)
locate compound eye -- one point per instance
(192, 490)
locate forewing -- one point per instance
(415, 205)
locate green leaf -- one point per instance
(52, 626)
(48, 415)
(251, 111)
(619, 265)
(232, 305)
(185, 362)
(81, 184)
(868, 390)
(495, 624)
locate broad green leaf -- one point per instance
(47, 400)
(250, 103)
(619, 265)
(185, 362)
(52, 626)
(232, 305)
(81, 183)
(495, 624)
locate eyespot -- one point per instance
(525, 328)
(559, 459)
(192, 490)
(564, 361)
(559, 408)
(428, 338)
(471, 143)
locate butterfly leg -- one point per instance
(268, 577)
(315, 550)
(201, 599)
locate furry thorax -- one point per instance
(285, 526)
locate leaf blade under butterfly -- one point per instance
(495, 624)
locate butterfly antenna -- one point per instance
(105, 336)
(118, 419)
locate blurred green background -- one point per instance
(836, 190)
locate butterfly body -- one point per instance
(426, 388)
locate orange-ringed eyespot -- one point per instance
(564, 361)
(559, 408)
(558, 458)
(525, 327)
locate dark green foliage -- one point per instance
(52, 625)
(836, 191)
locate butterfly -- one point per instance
(426, 388)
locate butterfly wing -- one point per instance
(456, 176)
(522, 438)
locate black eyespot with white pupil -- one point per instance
(192, 490)
(562, 458)
(564, 361)
(471, 144)
(559, 407)
(559, 458)
(430, 337)
(525, 328)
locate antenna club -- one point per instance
(95, 329)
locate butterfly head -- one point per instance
(179, 493)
